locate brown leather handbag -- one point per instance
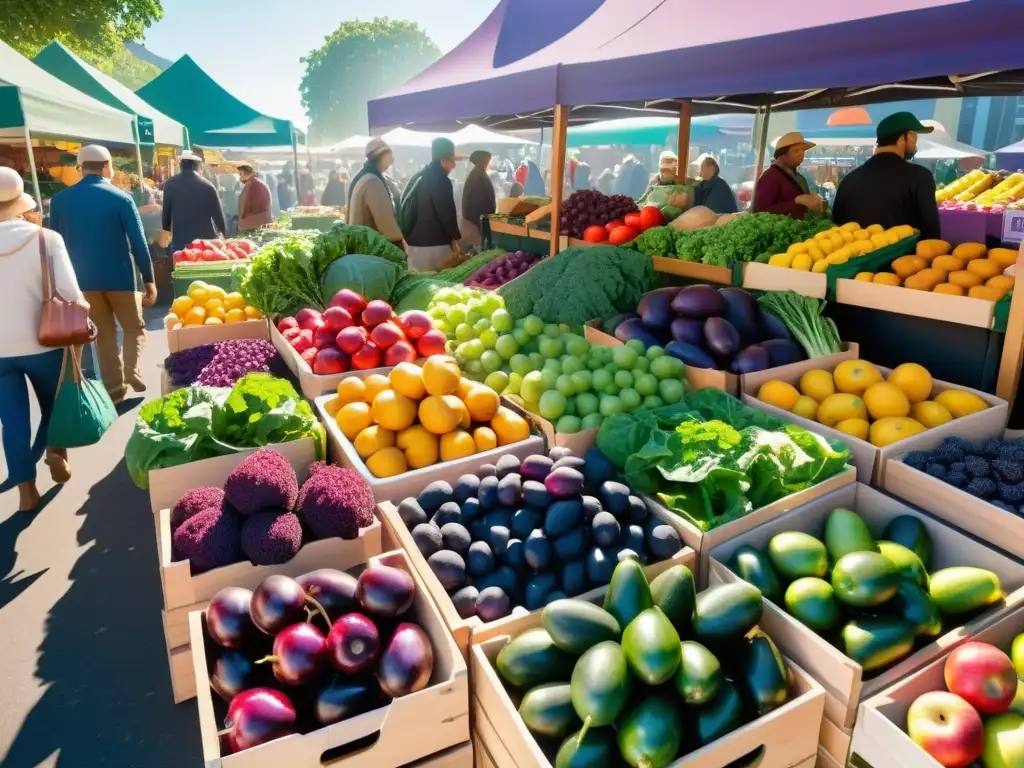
(62, 323)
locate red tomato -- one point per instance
(595, 234)
(651, 216)
(622, 235)
(633, 220)
(614, 224)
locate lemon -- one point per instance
(892, 429)
(509, 426)
(235, 316)
(816, 253)
(387, 462)
(353, 418)
(840, 407)
(482, 402)
(407, 379)
(373, 439)
(373, 385)
(796, 248)
(351, 389)
(213, 321)
(820, 266)
(855, 376)
(930, 413)
(420, 446)
(251, 313)
(234, 300)
(485, 439)
(806, 407)
(457, 445)
(778, 393)
(781, 260)
(858, 428)
(393, 411)
(960, 403)
(913, 379)
(440, 414)
(802, 261)
(181, 305)
(441, 375)
(818, 384)
(884, 399)
(864, 276)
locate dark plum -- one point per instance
(721, 337)
(524, 521)
(562, 516)
(504, 577)
(486, 470)
(501, 516)
(227, 617)
(278, 602)
(412, 513)
(633, 538)
(498, 537)
(537, 550)
(385, 591)
(465, 601)
(506, 465)
(434, 495)
(559, 452)
(663, 542)
(535, 467)
(515, 553)
(536, 495)
(699, 302)
(299, 655)
(604, 529)
(600, 565)
(470, 510)
(465, 488)
(334, 590)
(597, 468)
(538, 589)
(570, 545)
(573, 462)
(688, 331)
(427, 538)
(353, 644)
(234, 672)
(574, 578)
(341, 698)
(257, 716)
(492, 604)
(480, 558)
(637, 510)
(488, 493)
(456, 538)
(690, 354)
(591, 506)
(510, 489)
(407, 661)
(614, 497)
(449, 568)
(564, 483)
(449, 512)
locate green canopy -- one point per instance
(154, 127)
(647, 130)
(213, 116)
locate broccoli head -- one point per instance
(264, 480)
(271, 536)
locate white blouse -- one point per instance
(21, 284)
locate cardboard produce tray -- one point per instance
(842, 677)
(406, 730)
(784, 738)
(195, 336)
(397, 536)
(871, 461)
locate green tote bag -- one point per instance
(82, 409)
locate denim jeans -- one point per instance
(43, 372)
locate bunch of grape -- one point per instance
(588, 207)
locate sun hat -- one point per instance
(792, 139)
(13, 200)
(93, 153)
(376, 146)
(245, 164)
(188, 154)
(668, 157)
(901, 122)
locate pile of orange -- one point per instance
(205, 304)
(969, 270)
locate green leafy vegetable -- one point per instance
(280, 279)
(465, 270)
(343, 239)
(803, 316)
(370, 276)
(744, 238)
(656, 241)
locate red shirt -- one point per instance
(254, 205)
(775, 192)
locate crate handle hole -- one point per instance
(752, 759)
(336, 754)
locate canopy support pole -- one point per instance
(683, 149)
(32, 168)
(762, 145)
(558, 134)
(295, 158)
(1008, 378)
(138, 151)
(540, 149)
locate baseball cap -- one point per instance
(900, 122)
(93, 153)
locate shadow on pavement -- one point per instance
(108, 693)
(13, 584)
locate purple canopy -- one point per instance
(1011, 158)
(628, 53)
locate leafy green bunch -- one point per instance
(745, 238)
(280, 278)
(343, 239)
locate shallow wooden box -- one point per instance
(194, 336)
(408, 729)
(397, 536)
(880, 738)
(842, 677)
(693, 270)
(765, 277)
(784, 738)
(415, 480)
(906, 301)
(869, 459)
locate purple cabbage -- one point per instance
(223, 363)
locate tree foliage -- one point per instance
(359, 61)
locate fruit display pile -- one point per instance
(415, 417)
(992, 470)
(517, 536)
(264, 516)
(837, 246)
(205, 304)
(970, 270)
(978, 717)
(296, 655)
(213, 250)
(599, 686)
(222, 363)
(356, 334)
(855, 398)
(874, 599)
(982, 190)
(502, 270)
(626, 229)
(588, 207)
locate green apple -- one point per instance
(1017, 705)
(1004, 741)
(1017, 654)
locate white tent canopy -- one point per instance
(403, 138)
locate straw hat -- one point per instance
(376, 147)
(792, 139)
(13, 200)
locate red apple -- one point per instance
(415, 323)
(399, 352)
(613, 224)
(302, 341)
(290, 334)
(947, 728)
(348, 300)
(350, 340)
(330, 360)
(376, 312)
(983, 676)
(431, 343)
(285, 323)
(324, 337)
(367, 357)
(310, 355)
(306, 318)
(386, 334)
(336, 319)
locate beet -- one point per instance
(564, 483)
(340, 698)
(257, 716)
(407, 662)
(300, 654)
(227, 617)
(385, 592)
(278, 602)
(234, 672)
(535, 468)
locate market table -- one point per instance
(970, 226)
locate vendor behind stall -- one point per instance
(781, 189)
(254, 200)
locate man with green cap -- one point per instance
(888, 189)
(428, 217)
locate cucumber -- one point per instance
(722, 715)
(576, 626)
(727, 611)
(764, 682)
(795, 554)
(675, 593)
(906, 561)
(547, 710)
(911, 533)
(813, 601)
(752, 565)
(846, 532)
(649, 736)
(628, 593)
(652, 648)
(963, 589)
(599, 750)
(532, 658)
(878, 642)
(913, 604)
(699, 677)
(601, 684)
(865, 579)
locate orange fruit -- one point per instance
(960, 403)
(392, 410)
(509, 426)
(485, 439)
(482, 402)
(351, 389)
(884, 399)
(779, 393)
(457, 445)
(407, 379)
(913, 379)
(353, 418)
(840, 407)
(892, 429)
(387, 462)
(817, 384)
(855, 376)
(441, 375)
(421, 447)
(930, 413)
(440, 414)
(372, 439)
(373, 385)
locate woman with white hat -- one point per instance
(370, 201)
(22, 359)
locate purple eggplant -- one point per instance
(655, 307)
(618, 320)
(635, 329)
(407, 661)
(688, 331)
(772, 327)
(690, 354)
(741, 311)
(751, 360)
(721, 337)
(783, 351)
(699, 302)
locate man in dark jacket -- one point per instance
(433, 233)
(192, 209)
(712, 191)
(478, 198)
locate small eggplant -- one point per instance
(783, 351)
(690, 354)
(772, 327)
(635, 329)
(688, 331)
(721, 337)
(699, 302)
(751, 360)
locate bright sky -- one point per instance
(252, 47)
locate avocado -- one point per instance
(649, 735)
(721, 716)
(576, 625)
(906, 561)
(846, 532)
(561, 517)
(911, 533)
(601, 685)
(878, 642)
(651, 645)
(727, 611)
(538, 588)
(795, 554)
(913, 604)
(699, 677)
(574, 578)
(865, 579)
(764, 682)
(963, 589)
(813, 601)
(547, 710)
(628, 593)
(674, 592)
(532, 658)
(752, 565)
(599, 750)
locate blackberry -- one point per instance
(948, 453)
(1012, 452)
(1011, 493)
(957, 475)
(976, 466)
(936, 470)
(1008, 471)
(965, 445)
(992, 447)
(1003, 506)
(917, 459)
(981, 487)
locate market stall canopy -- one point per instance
(30, 96)
(656, 130)
(938, 145)
(351, 144)
(154, 126)
(213, 116)
(1011, 157)
(617, 54)
(474, 135)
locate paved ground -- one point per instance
(83, 669)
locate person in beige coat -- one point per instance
(370, 203)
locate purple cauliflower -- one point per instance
(208, 539)
(271, 536)
(264, 480)
(223, 363)
(335, 502)
(194, 502)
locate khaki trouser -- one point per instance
(430, 258)
(126, 308)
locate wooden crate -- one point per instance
(577, 442)
(765, 277)
(692, 270)
(842, 677)
(869, 459)
(834, 741)
(703, 542)
(905, 301)
(786, 737)
(397, 536)
(412, 482)
(195, 336)
(409, 728)
(455, 757)
(879, 737)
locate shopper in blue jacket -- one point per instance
(107, 245)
